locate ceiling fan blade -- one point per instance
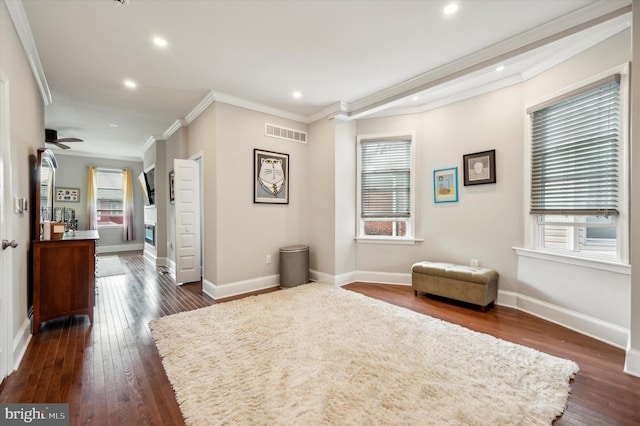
(69, 140)
(61, 145)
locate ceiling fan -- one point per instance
(51, 136)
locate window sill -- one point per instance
(399, 241)
(604, 265)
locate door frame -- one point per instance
(6, 256)
(198, 159)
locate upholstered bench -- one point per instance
(478, 286)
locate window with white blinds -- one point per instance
(579, 177)
(386, 179)
(109, 196)
(385, 186)
(575, 152)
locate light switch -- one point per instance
(20, 205)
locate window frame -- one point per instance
(409, 238)
(533, 222)
(110, 224)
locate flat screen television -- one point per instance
(147, 183)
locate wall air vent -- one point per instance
(284, 133)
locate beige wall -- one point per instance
(632, 364)
(26, 136)
(345, 201)
(239, 234)
(202, 142)
(487, 220)
(247, 231)
(322, 208)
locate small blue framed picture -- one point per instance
(445, 185)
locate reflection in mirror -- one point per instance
(46, 180)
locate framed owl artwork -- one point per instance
(270, 177)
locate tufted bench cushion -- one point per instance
(478, 286)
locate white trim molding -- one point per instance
(632, 362)
(21, 23)
(222, 291)
(21, 342)
(604, 331)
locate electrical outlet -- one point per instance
(268, 259)
(475, 263)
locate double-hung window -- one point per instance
(109, 197)
(386, 186)
(577, 172)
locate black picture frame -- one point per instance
(479, 167)
(68, 194)
(270, 177)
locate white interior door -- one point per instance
(5, 197)
(187, 208)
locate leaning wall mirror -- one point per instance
(45, 184)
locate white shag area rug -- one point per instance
(107, 266)
(317, 354)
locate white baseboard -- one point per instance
(150, 257)
(21, 342)
(604, 331)
(239, 287)
(321, 276)
(119, 248)
(632, 362)
(382, 277)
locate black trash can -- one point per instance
(294, 265)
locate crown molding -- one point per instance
(21, 24)
(199, 109)
(110, 156)
(148, 145)
(585, 18)
(255, 106)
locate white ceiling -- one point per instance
(347, 58)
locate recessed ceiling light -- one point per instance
(500, 68)
(160, 42)
(130, 84)
(415, 98)
(450, 9)
(113, 125)
(297, 94)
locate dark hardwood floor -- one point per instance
(110, 371)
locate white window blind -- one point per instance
(386, 179)
(575, 152)
(109, 196)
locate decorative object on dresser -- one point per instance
(319, 354)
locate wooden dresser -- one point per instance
(64, 277)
